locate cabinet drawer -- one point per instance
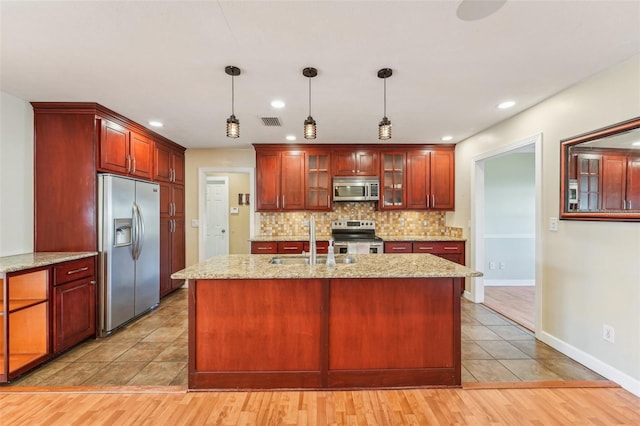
(322, 247)
(397, 247)
(290, 247)
(261, 247)
(438, 247)
(73, 270)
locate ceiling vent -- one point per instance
(271, 121)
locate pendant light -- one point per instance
(309, 123)
(233, 124)
(384, 128)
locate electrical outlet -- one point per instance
(195, 223)
(425, 223)
(305, 222)
(502, 265)
(608, 333)
(492, 265)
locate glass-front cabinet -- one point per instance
(318, 170)
(393, 178)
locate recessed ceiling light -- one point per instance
(506, 104)
(636, 143)
(291, 137)
(277, 104)
(447, 138)
(155, 124)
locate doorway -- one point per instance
(226, 211)
(505, 229)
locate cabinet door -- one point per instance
(290, 247)
(344, 163)
(442, 180)
(177, 198)
(418, 173)
(166, 197)
(366, 163)
(614, 173)
(162, 163)
(267, 181)
(74, 313)
(141, 151)
(114, 148)
(633, 183)
(318, 171)
(589, 181)
(178, 167)
(292, 181)
(392, 181)
(166, 226)
(177, 250)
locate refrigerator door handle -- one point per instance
(140, 232)
(136, 232)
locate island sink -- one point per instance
(304, 260)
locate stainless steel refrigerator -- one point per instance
(129, 246)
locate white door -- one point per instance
(216, 230)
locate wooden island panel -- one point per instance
(255, 333)
(324, 333)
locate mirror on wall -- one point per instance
(600, 174)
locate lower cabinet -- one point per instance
(172, 253)
(74, 303)
(450, 250)
(47, 310)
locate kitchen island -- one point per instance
(383, 321)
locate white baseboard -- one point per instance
(509, 283)
(627, 382)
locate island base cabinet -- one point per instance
(324, 333)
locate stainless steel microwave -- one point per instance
(356, 188)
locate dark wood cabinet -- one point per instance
(319, 182)
(124, 152)
(168, 164)
(287, 247)
(172, 252)
(430, 179)
(620, 182)
(355, 163)
(398, 247)
(280, 180)
(393, 181)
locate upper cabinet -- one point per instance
(393, 180)
(430, 179)
(168, 164)
(280, 180)
(123, 151)
(355, 163)
(296, 178)
(318, 174)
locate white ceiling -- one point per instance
(158, 60)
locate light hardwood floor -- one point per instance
(516, 303)
(550, 406)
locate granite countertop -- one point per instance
(257, 266)
(265, 238)
(21, 262)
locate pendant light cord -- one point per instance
(232, 95)
(309, 96)
(385, 96)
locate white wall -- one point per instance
(509, 215)
(590, 271)
(16, 175)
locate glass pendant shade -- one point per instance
(233, 127)
(309, 128)
(384, 129)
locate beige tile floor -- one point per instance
(153, 351)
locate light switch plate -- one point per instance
(195, 223)
(553, 224)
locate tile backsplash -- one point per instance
(390, 223)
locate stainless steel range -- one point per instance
(356, 236)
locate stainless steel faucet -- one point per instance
(313, 253)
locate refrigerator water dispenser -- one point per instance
(122, 232)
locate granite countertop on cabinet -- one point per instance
(269, 238)
(257, 266)
(420, 238)
(20, 262)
